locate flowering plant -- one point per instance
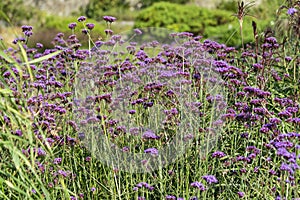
(291, 19)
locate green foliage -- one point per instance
(181, 17)
(229, 5)
(219, 25)
(267, 9)
(229, 33)
(95, 8)
(147, 3)
(14, 11)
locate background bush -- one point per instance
(181, 17)
(216, 24)
(96, 8)
(147, 3)
(14, 12)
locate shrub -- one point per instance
(181, 17)
(95, 8)
(15, 12)
(227, 5)
(147, 3)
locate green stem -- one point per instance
(241, 31)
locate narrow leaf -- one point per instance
(44, 57)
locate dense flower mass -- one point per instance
(74, 118)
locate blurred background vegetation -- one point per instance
(211, 19)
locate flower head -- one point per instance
(39, 45)
(210, 179)
(149, 135)
(170, 197)
(152, 151)
(291, 11)
(138, 31)
(84, 31)
(81, 19)
(108, 31)
(72, 25)
(109, 19)
(90, 26)
(57, 161)
(26, 28)
(198, 185)
(241, 194)
(218, 154)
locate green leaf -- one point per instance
(43, 58)
(6, 57)
(5, 92)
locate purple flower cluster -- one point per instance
(109, 19)
(81, 19)
(210, 179)
(152, 151)
(150, 135)
(143, 185)
(199, 186)
(291, 11)
(27, 30)
(218, 154)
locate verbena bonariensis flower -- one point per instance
(90, 26)
(81, 19)
(150, 135)
(241, 194)
(57, 161)
(198, 185)
(72, 25)
(291, 11)
(138, 31)
(170, 197)
(18, 133)
(145, 185)
(109, 19)
(26, 28)
(218, 154)
(210, 179)
(108, 32)
(152, 151)
(84, 31)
